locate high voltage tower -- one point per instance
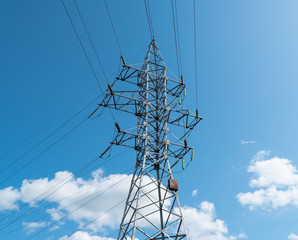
(152, 209)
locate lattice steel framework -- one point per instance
(152, 209)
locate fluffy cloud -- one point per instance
(276, 180)
(292, 236)
(73, 198)
(8, 198)
(80, 235)
(202, 223)
(33, 226)
(83, 200)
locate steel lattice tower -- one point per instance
(152, 209)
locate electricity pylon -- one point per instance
(152, 209)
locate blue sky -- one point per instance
(247, 78)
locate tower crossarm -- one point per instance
(131, 81)
(125, 101)
(183, 118)
(129, 101)
(175, 150)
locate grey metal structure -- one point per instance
(152, 209)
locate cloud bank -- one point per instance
(292, 236)
(275, 181)
(83, 200)
(202, 223)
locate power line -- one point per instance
(34, 205)
(93, 220)
(48, 148)
(90, 40)
(175, 34)
(43, 217)
(45, 126)
(21, 168)
(178, 35)
(195, 44)
(44, 139)
(110, 17)
(77, 173)
(82, 46)
(85, 53)
(84, 204)
(43, 199)
(149, 18)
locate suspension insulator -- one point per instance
(179, 100)
(197, 113)
(123, 61)
(183, 167)
(185, 143)
(192, 155)
(184, 92)
(110, 88)
(118, 127)
(182, 81)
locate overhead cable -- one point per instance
(195, 45)
(82, 46)
(44, 139)
(78, 173)
(110, 17)
(175, 34)
(62, 183)
(90, 40)
(93, 220)
(149, 18)
(46, 125)
(85, 53)
(97, 194)
(44, 151)
(178, 36)
(4, 226)
(48, 148)
(76, 209)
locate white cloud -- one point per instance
(80, 235)
(33, 226)
(84, 199)
(247, 142)
(276, 180)
(242, 235)
(81, 198)
(194, 193)
(292, 236)
(8, 198)
(202, 223)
